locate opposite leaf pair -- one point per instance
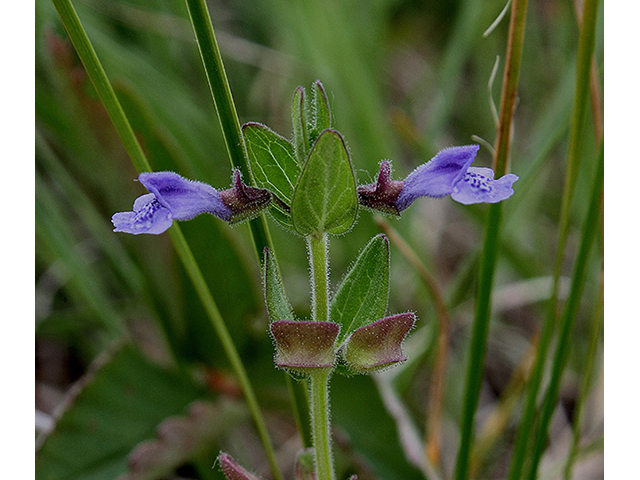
(357, 332)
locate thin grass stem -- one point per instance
(477, 348)
(225, 107)
(107, 95)
(585, 53)
(589, 232)
(597, 320)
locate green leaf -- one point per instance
(273, 165)
(325, 197)
(363, 294)
(299, 121)
(114, 408)
(320, 110)
(278, 306)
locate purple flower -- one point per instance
(174, 197)
(478, 186)
(448, 173)
(379, 344)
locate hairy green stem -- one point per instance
(107, 95)
(585, 52)
(320, 423)
(478, 344)
(319, 263)
(317, 246)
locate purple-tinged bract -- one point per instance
(379, 344)
(303, 345)
(232, 470)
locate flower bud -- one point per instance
(244, 201)
(232, 470)
(304, 465)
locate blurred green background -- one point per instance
(405, 79)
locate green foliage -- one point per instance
(325, 196)
(278, 306)
(117, 406)
(404, 79)
(273, 166)
(363, 294)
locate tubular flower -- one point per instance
(173, 197)
(448, 173)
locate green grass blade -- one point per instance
(489, 257)
(589, 232)
(585, 53)
(105, 91)
(223, 100)
(597, 320)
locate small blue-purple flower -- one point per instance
(448, 173)
(173, 197)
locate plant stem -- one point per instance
(478, 345)
(319, 263)
(489, 257)
(588, 373)
(317, 246)
(107, 95)
(320, 423)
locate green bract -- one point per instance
(325, 197)
(363, 294)
(278, 306)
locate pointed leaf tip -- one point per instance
(364, 291)
(278, 305)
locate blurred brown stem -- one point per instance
(436, 392)
(594, 85)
